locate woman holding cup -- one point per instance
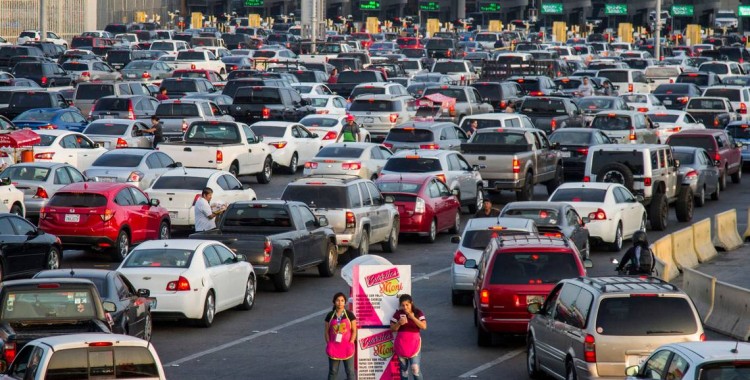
(407, 321)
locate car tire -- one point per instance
(293, 164)
(282, 281)
(432, 233)
(390, 245)
(658, 212)
(684, 205)
(723, 180)
(251, 289)
(737, 177)
(716, 195)
(264, 176)
(17, 210)
(586, 250)
(364, 246)
(616, 173)
(700, 199)
(54, 258)
(532, 361)
(553, 184)
(234, 169)
(570, 371)
(209, 310)
(456, 228)
(616, 246)
(328, 267)
(478, 200)
(148, 326)
(457, 298)
(527, 192)
(164, 231)
(122, 246)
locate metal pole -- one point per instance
(657, 35)
(43, 20)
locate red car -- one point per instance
(365, 39)
(425, 204)
(104, 216)
(409, 42)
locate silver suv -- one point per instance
(379, 113)
(356, 211)
(590, 328)
(649, 171)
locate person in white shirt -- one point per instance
(204, 215)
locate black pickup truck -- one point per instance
(551, 113)
(278, 238)
(259, 103)
(24, 100)
(39, 308)
(349, 79)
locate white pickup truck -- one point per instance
(199, 59)
(325, 51)
(223, 145)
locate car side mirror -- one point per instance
(738, 145)
(588, 264)
(632, 370)
(717, 163)
(455, 239)
(655, 125)
(534, 308)
(470, 264)
(676, 163)
(143, 293)
(390, 199)
(639, 198)
(322, 221)
(154, 203)
(585, 220)
(314, 135)
(258, 139)
(109, 307)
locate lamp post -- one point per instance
(657, 34)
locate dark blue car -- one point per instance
(52, 118)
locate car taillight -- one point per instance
(393, 117)
(432, 146)
(135, 176)
(131, 114)
(181, 285)
(233, 67)
(44, 156)
(484, 298)
(586, 178)
(743, 108)
(85, 74)
(195, 199)
(716, 122)
(452, 110)
(419, 206)
(351, 220)
(48, 126)
(41, 193)
(536, 93)
(108, 214)
(9, 352)
(583, 151)
(93, 108)
(553, 124)
(632, 135)
(219, 157)
(145, 75)
(351, 166)
(516, 166)
(702, 337)
(717, 157)
(311, 165)
(441, 177)
(459, 258)
(267, 248)
(589, 349)
(671, 80)
(121, 143)
(503, 104)
(691, 174)
(630, 87)
(598, 215)
(388, 145)
(266, 113)
(448, 53)
(683, 99)
(192, 66)
(44, 81)
(331, 135)
(642, 109)
(184, 125)
(322, 112)
(647, 181)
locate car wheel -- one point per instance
(586, 250)
(293, 164)
(737, 177)
(723, 180)
(555, 182)
(164, 231)
(250, 290)
(234, 169)
(717, 193)
(570, 371)
(209, 310)
(432, 233)
(478, 200)
(148, 326)
(456, 228)
(282, 281)
(265, 175)
(617, 245)
(53, 258)
(700, 199)
(122, 246)
(16, 209)
(658, 212)
(457, 298)
(532, 362)
(328, 267)
(527, 192)
(684, 205)
(390, 245)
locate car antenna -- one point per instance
(736, 344)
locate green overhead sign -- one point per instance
(370, 5)
(552, 8)
(744, 11)
(683, 11)
(489, 7)
(429, 6)
(253, 3)
(615, 9)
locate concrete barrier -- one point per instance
(731, 311)
(663, 250)
(726, 236)
(704, 247)
(683, 249)
(660, 268)
(700, 287)
(747, 230)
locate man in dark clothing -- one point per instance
(156, 130)
(639, 259)
(487, 211)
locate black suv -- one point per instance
(179, 87)
(119, 58)
(498, 94)
(231, 87)
(24, 100)
(441, 48)
(44, 73)
(8, 52)
(259, 103)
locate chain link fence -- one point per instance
(64, 17)
(125, 11)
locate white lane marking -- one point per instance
(274, 330)
(493, 363)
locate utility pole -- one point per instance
(43, 20)
(657, 34)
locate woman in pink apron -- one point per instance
(407, 321)
(340, 335)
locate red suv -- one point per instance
(727, 153)
(513, 272)
(104, 216)
(409, 43)
(425, 204)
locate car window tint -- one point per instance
(377, 199)
(153, 162)
(164, 159)
(222, 182)
(354, 198)
(307, 218)
(6, 228)
(120, 288)
(139, 197)
(453, 163)
(75, 175)
(433, 189)
(366, 200)
(232, 182)
(656, 365)
(211, 257)
(677, 367)
(21, 226)
(565, 311)
(124, 198)
(62, 177)
(225, 255)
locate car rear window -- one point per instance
(543, 106)
(339, 152)
(52, 303)
(717, 68)
(358, 77)
(739, 131)
(662, 72)
(632, 159)
(705, 142)
(94, 91)
(179, 86)
(75, 66)
(177, 109)
(615, 76)
(533, 268)
(321, 122)
(568, 84)
(112, 104)
(101, 362)
(528, 84)
(370, 105)
(412, 165)
(449, 67)
(479, 239)
(191, 55)
(439, 44)
(110, 129)
(457, 93)
(257, 96)
(684, 157)
(726, 369)
(36, 115)
(139, 65)
(64, 199)
(663, 118)
(159, 257)
(399, 187)
(570, 138)
(500, 138)
(697, 79)
(318, 196)
(734, 95)
(595, 104)
(367, 90)
(268, 131)
(30, 100)
(180, 182)
(578, 195)
(542, 217)
(410, 135)
(611, 123)
(118, 160)
(657, 316)
(706, 104)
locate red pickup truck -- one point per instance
(719, 145)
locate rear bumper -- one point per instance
(504, 184)
(417, 223)
(179, 305)
(498, 324)
(87, 241)
(601, 230)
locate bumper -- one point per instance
(462, 278)
(186, 304)
(87, 241)
(513, 324)
(345, 241)
(282, 156)
(573, 169)
(603, 230)
(418, 223)
(378, 130)
(504, 184)
(182, 217)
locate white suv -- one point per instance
(379, 88)
(34, 36)
(458, 69)
(379, 113)
(626, 80)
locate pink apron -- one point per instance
(407, 344)
(340, 350)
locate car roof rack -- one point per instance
(521, 240)
(609, 284)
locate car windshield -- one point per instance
(318, 196)
(410, 135)
(570, 138)
(661, 316)
(93, 91)
(595, 104)
(410, 65)
(399, 187)
(611, 122)
(734, 95)
(412, 164)
(106, 129)
(319, 122)
(180, 182)
(48, 304)
(26, 173)
(578, 195)
(118, 160)
(705, 142)
(663, 118)
(36, 115)
(533, 268)
(159, 257)
(542, 216)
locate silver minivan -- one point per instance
(87, 94)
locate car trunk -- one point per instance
(83, 219)
(158, 278)
(405, 203)
(333, 165)
(109, 142)
(177, 201)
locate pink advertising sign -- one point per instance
(375, 292)
(375, 359)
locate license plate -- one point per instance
(534, 299)
(564, 154)
(367, 120)
(173, 214)
(72, 218)
(131, 75)
(485, 183)
(107, 179)
(667, 102)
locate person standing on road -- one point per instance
(407, 321)
(639, 259)
(204, 215)
(487, 211)
(340, 336)
(162, 95)
(156, 130)
(350, 130)
(585, 89)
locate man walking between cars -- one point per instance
(205, 217)
(487, 211)
(350, 130)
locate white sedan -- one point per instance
(192, 279)
(178, 190)
(361, 159)
(66, 147)
(673, 121)
(294, 144)
(328, 127)
(643, 102)
(611, 213)
(12, 198)
(327, 104)
(308, 88)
